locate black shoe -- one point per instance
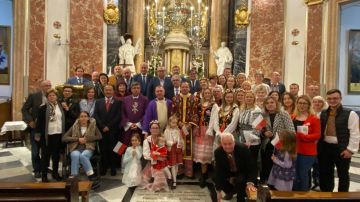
(37, 175)
(56, 177)
(228, 196)
(95, 184)
(44, 178)
(169, 182)
(113, 172)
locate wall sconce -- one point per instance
(294, 33)
(57, 25)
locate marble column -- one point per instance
(267, 36)
(36, 42)
(20, 47)
(314, 39)
(86, 35)
(138, 29)
(218, 28)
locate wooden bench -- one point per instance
(52, 191)
(264, 194)
(84, 189)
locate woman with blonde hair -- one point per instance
(230, 83)
(240, 97)
(248, 134)
(240, 78)
(260, 94)
(307, 127)
(319, 104)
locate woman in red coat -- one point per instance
(307, 127)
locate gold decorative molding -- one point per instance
(313, 2)
(242, 17)
(111, 14)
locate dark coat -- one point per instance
(111, 119)
(31, 107)
(155, 81)
(138, 78)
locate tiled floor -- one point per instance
(15, 166)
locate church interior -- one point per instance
(312, 43)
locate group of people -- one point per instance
(250, 132)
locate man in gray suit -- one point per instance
(30, 113)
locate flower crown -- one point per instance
(154, 122)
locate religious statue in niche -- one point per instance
(223, 57)
(127, 52)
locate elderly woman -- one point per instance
(307, 127)
(49, 129)
(319, 104)
(260, 94)
(276, 121)
(104, 80)
(81, 139)
(153, 180)
(120, 91)
(88, 104)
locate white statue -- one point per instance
(127, 53)
(223, 57)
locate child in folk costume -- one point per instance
(283, 172)
(131, 162)
(203, 144)
(160, 164)
(174, 145)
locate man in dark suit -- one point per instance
(30, 113)
(78, 79)
(174, 89)
(275, 84)
(161, 79)
(107, 115)
(94, 83)
(194, 83)
(143, 78)
(234, 169)
(127, 78)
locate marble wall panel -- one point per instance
(267, 36)
(36, 43)
(86, 35)
(313, 53)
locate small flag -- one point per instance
(119, 148)
(275, 140)
(259, 123)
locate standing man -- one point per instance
(127, 78)
(312, 91)
(275, 84)
(30, 113)
(116, 77)
(339, 141)
(234, 169)
(174, 90)
(158, 109)
(194, 83)
(70, 106)
(294, 90)
(143, 78)
(161, 79)
(132, 113)
(185, 106)
(78, 79)
(107, 115)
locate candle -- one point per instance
(156, 10)
(191, 16)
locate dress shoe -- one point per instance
(113, 172)
(37, 175)
(56, 177)
(44, 178)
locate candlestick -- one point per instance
(191, 16)
(163, 19)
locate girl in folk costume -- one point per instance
(283, 171)
(203, 144)
(148, 149)
(131, 162)
(174, 143)
(225, 117)
(160, 164)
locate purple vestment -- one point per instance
(151, 113)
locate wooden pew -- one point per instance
(264, 194)
(52, 191)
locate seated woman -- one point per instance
(81, 139)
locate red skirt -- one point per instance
(175, 156)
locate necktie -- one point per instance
(79, 80)
(232, 163)
(144, 79)
(176, 91)
(107, 104)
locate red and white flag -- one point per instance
(259, 123)
(275, 140)
(119, 148)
